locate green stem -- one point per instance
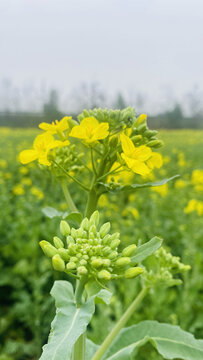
(120, 324)
(79, 347)
(68, 197)
(110, 172)
(92, 159)
(71, 177)
(91, 203)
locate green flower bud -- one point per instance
(142, 128)
(123, 261)
(58, 263)
(114, 236)
(58, 242)
(155, 143)
(133, 272)
(48, 249)
(104, 275)
(85, 224)
(93, 230)
(83, 262)
(129, 250)
(106, 250)
(114, 244)
(135, 139)
(97, 263)
(113, 255)
(106, 239)
(74, 233)
(70, 240)
(73, 259)
(151, 133)
(64, 254)
(104, 229)
(71, 266)
(82, 270)
(106, 262)
(86, 257)
(64, 228)
(94, 219)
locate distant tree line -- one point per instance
(92, 96)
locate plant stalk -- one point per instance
(68, 198)
(120, 324)
(79, 347)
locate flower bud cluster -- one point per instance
(68, 158)
(91, 251)
(163, 267)
(117, 119)
(141, 135)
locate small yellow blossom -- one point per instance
(197, 180)
(130, 210)
(90, 130)
(180, 184)
(26, 181)
(162, 189)
(141, 118)
(42, 145)
(23, 170)
(155, 161)
(56, 126)
(135, 157)
(36, 192)
(18, 190)
(194, 205)
(181, 159)
(3, 163)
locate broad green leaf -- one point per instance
(69, 322)
(73, 217)
(145, 250)
(114, 189)
(170, 341)
(90, 349)
(50, 212)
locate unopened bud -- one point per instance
(71, 266)
(104, 275)
(92, 230)
(133, 272)
(142, 118)
(48, 249)
(58, 263)
(115, 236)
(58, 242)
(106, 262)
(97, 263)
(70, 240)
(94, 219)
(64, 228)
(104, 229)
(85, 224)
(113, 255)
(106, 250)
(74, 233)
(123, 261)
(83, 262)
(64, 254)
(82, 270)
(155, 143)
(114, 244)
(135, 139)
(142, 128)
(129, 250)
(151, 133)
(106, 239)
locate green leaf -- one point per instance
(72, 218)
(170, 341)
(69, 322)
(114, 189)
(90, 349)
(50, 212)
(145, 250)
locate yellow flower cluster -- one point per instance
(194, 205)
(90, 130)
(197, 180)
(141, 160)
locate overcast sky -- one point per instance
(151, 46)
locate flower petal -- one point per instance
(26, 156)
(127, 145)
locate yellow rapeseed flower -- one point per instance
(56, 126)
(180, 184)
(37, 192)
(18, 190)
(42, 145)
(135, 157)
(141, 118)
(90, 130)
(155, 161)
(197, 180)
(162, 189)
